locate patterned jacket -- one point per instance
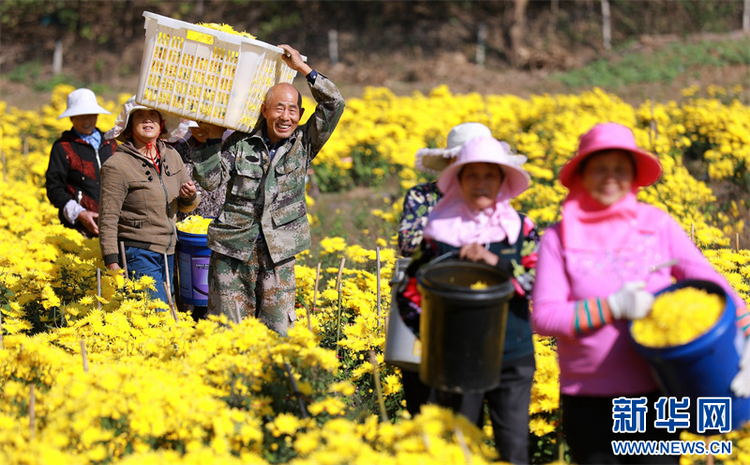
(73, 173)
(139, 202)
(211, 202)
(418, 203)
(266, 197)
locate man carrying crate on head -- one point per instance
(263, 223)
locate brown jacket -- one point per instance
(138, 203)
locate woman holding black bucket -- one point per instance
(597, 271)
(144, 183)
(475, 220)
(418, 203)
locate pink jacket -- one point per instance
(603, 361)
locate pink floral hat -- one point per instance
(173, 129)
(612, 136)
(489, 150)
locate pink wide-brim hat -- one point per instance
(489, 150)
(612, 136)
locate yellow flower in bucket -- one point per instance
(678, 317)
(195, 224)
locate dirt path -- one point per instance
(404, 75)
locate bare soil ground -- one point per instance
(404, 72)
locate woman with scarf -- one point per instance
(418, 203)
(594, 275)
(144, 183)
(474, 217)
(422, 198)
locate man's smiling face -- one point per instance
(282, 111)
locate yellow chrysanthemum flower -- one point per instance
(678, 317)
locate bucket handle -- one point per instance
(446, 256)
(503, 265)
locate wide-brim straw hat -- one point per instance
(435, 160)
(174, 128)
(82, 102)
(612, 136)
(489, 150)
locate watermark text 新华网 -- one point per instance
(713, 415)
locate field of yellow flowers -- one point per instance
(91, 373)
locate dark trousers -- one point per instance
(587, 425)
(508, 405)
(416, 393)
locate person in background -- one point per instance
(418, 203)
(594, 276)
(73, 178)
(144, 184)
(475, 219)
(211, 202)
(422, 198)
(263, 223)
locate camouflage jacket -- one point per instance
(266, 197)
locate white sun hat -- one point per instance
(435, 160)
(174, 129)
(82, 102)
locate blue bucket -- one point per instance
(193, 255)
(705, 366)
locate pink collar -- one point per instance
(589, 225)
(452, 222)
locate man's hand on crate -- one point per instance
(294, 60)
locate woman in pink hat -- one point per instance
(422, 198)
(418, 203)
(594, 276)
(475, 218)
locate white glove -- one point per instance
(631, 302)
(741, 383)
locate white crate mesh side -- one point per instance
(257, 93)
(201, 82)
(187, 84)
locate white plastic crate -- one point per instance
(222, 83)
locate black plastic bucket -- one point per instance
(462, 329)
